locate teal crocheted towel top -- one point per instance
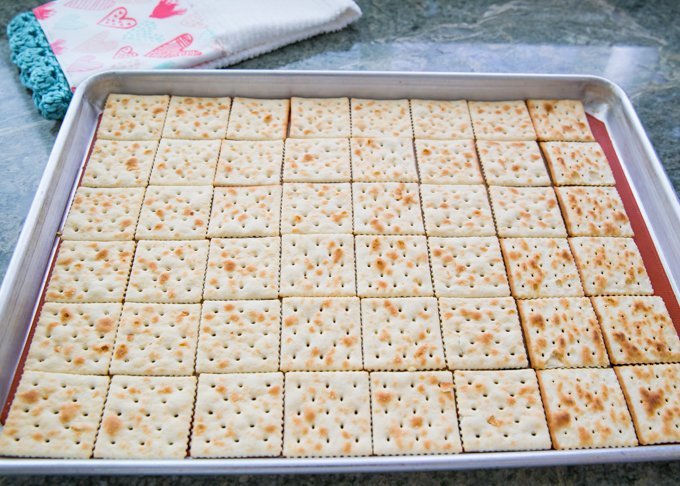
(40, 70)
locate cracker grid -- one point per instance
(118, 163)
(316, 208)
(387, 208)
(257, 119)
(132, 117)
(446, 120)
(456, 210)
(245, 211)
(501, 120)
(448, 162)
(383, 160)
(249, 163)
(319, 160)
(512, 163)
(175, 213)
(319, 117)
(380, 118)
(185, 163)
(526, 211)
(197, 118)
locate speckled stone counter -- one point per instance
(635, 43)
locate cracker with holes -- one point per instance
(133, 117)
(560, 120)
(383, 160)
(501, 120)
(448, 162)
(319, 118)
(168, 272)
(578, 164)
(562, 333)
(185, 163)
(456, 210)
(393, 266)
(238, 415)
(243, 268)
(90, 271)
(441, 120)
(402, 334)
(316, 208)
(175, 213)
(526, 211)
(319, 160)
(594, 211)
(118, 163)
(381, 118)
(103, 214)
(327, 414)
(245, 163)
(239, 336)
(146, 417)
(387, 208)
(245, 211)
(610, 266)
(414, 413)
(317, 266)
(637, 329)
(54, 415)
(585, 408)
(512, 163)
(192, 118)
(255, 119)
(468, 267)
(74, 338)
(500, 411)
(541, 267)
(156, 339)
(321, 334)
(482, 334)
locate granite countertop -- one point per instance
(635, 43)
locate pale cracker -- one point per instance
(239, 336)
(327, 414)
(526, 211)
(512, 164)
(321, 160)
(500, 411)
(89, 271)
(402, 334)
(585, 408)
(610, 266)
(393, 266)
(175, 213)
(255, 119)
(249, 163)
(245, 211)
(442, 120)
(317, 266)
(448, 162)
(243, 268)
(147, 417)
(319, 118)
(387, 208)
(501, 120)
(185, 163)
(578, 164)
(560, 120)
(381, 118)
(321, 334)
(594, 211)
(468, 267)
(114, 163)
(383, 160)
(414, 413)
(197, 118)
(103, 214)
(74, 338)
(133, 117)
(637, 329)
(482, 334)
(316, 208)
(456, 210)
(238, 415)
(156, 339)
(168, 272)
(54, 415)
(562, 333)
(541, 267)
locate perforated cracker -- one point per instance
(133, 117)
(321, 334)
(512, 164)
(562, 333)
(197, 118)
(238, 416)
(448, 162)
(117, 163)
(54, 415)
(381, 118)
(327, 414)
(243, 268)
(316, 208)
(103, 214)
(244, 163)
(610, 266)
(317, 266)
(320, 160)
(255, 119)
(443, 120)
(526, 211)
(501, 120)
(585, 408)
(456, 210)
(560, 120)
(156, 339)
(500, 411)
(594, 211)
(319, 118)
(482, 334)
(146, 417)
(387, 208)
(578, 164)
(245, 211)
(383, 160)
(239, 336)
(185, 163)
(74, 338)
